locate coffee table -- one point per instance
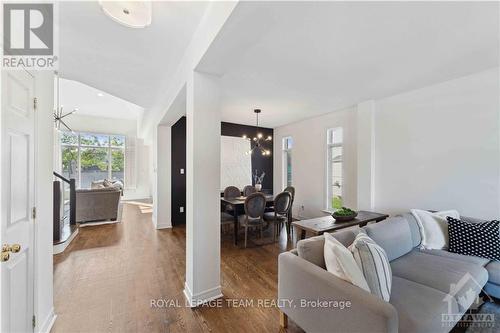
(320, 225)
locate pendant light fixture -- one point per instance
(258, 140)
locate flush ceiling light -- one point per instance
(132, 14)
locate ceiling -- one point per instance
(296, 60)
(93, 102)
(130, 63)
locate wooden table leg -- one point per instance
(283, 320)
(302, 234)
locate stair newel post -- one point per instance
(72, 201)
(56, 189)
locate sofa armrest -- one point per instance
(300, 281)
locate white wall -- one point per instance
(309, 160)
(44, 307)
(438, 147)
(435, 148)
(127, 127)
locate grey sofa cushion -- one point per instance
(493, 269)
(440, 273)
(311, 249)
(471, 259)
(419, 307)
(415, 230)
(393, 235)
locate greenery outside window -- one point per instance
(335, 179)
(287, 160)
(89, 157)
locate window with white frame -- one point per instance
(335, 178)
(88, 157)
(287, 160)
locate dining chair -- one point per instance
(282, 204)
(249, 189)
(227, 218)
(290, 189)
(255, 204)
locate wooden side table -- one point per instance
(320, 225)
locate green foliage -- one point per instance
(337, 202)
(94, 157)
(69, 154)
(117, 160)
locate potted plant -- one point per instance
(258, 180)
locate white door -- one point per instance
(17, 197)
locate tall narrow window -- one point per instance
(335, 181)
(287, 160)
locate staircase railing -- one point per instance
(59, 204)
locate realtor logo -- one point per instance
(28, 36)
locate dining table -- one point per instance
(238, 204)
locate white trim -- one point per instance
(59, 248)
(164, 226)
(49, 322)
(203, 297)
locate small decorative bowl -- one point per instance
(344, 218)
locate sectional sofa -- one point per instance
(431, 289)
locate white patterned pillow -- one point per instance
(339, 262)
(373, 262)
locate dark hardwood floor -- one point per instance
(107, 278)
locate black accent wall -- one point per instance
(259, 162)
(178, 180)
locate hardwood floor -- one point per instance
(107, 278)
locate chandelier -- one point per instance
(258, 140)
(59, 115)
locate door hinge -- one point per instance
(35, 103)
(33, 213)
(33, 321)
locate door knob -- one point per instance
(4, 256)
(14, 248)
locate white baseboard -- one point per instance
(203, 297)
(164, 226)
(49, 322)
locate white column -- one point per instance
(162, 201)
(203, 190)
(366, 155)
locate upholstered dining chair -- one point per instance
(226, 217)
(290, 189)
(255, 204)
(249, 189)
(282, 204)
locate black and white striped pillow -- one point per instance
(373, 262)
(474, 239)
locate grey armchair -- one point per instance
(97, 204)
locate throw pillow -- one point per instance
(340, 262)
(107, 183)
(433, 228)
(373, 262)
(475, 239)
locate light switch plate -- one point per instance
(182, 171)
(181, 209)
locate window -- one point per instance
(89, 157)
(335, 181)
(287, 160)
